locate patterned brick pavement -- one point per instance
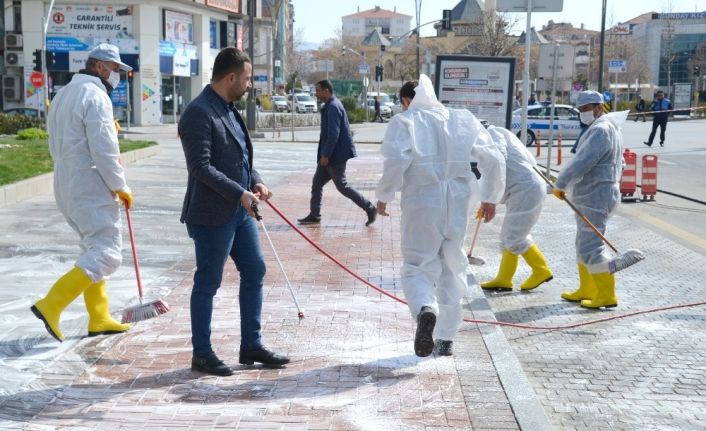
(646, 372)
(353, 364)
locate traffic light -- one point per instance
(697, 71)
(130, 75)
(379, 70)
(382, 48)
(50, 58)
(446, 19)
(37, 60)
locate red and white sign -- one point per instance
(37, 79)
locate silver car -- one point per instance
(280, 103)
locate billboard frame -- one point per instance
(474, 62)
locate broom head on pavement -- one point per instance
(142, 311)
(621, 260)
(624, 260)
(145, 311)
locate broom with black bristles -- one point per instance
(619, 262)
(142, 311)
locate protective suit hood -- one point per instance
(615, 118)
(425, 98)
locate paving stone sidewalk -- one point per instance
(353, 363)
(646, 372)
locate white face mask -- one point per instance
(587, 117)
(114, 79)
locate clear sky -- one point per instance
(318, 20)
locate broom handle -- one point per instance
(475, 235)
(134, 253)
(583, 217)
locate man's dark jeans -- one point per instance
(238, 239)
(662, 124)
(337, 174)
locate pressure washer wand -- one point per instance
(258, 217)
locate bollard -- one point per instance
(558, 152)
(537, 139)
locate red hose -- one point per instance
(488, 322)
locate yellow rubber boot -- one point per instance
(100, 321)
(62, 293)
(605, 292)
(540, 270)
(587, 287)
(508, 266)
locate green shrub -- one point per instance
(356, 115)
(32, 133)
(10, 124)
(349, 103)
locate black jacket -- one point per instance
(214, 160)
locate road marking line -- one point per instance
(666, 227)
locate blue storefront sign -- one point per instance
(119, 95)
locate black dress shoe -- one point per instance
(310, 219)
(263, 355)
(210, 365)
(372, 215)
(423, 338)
(444, 347)
(649, 144)
(661, 144)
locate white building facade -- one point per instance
(170, 44)
(389, 22)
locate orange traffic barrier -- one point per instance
(649, 176)
(537, 139)
(628, 180)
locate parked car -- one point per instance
(385, 110)
(280, 103)
(304, 103)
(566, 122)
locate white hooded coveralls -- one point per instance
(524, 192)
(427, 153)
(592, 182)
(84, 145)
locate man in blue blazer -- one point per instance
(221, 190)
(335, 148)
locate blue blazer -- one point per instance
(214, 160)
(335, 141)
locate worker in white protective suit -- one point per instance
(88, 182)
(591, 180)
(523, 198)
(427, 152)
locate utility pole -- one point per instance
(251, 108)
(418, 7)
(45, 70)
(600, 58)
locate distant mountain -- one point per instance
(309, 46)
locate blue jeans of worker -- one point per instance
(238, 239)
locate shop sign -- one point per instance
(87, 21)
(178, 27)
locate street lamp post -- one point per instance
(365, 84)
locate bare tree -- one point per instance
(297, 58)
(493, 35)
